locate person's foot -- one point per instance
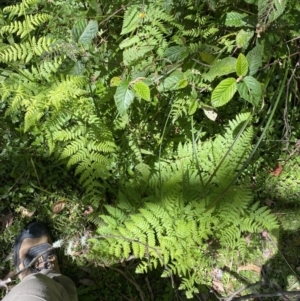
(33, 242)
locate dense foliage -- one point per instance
(156, 108)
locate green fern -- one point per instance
(30, 23)
(175, 193)
(19, 9)
(26, 50)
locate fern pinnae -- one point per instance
(241, 131)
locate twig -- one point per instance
(36, 174)
(268, 295)
(288, 96)
(149, 288)
(240, 290)
(120, 9)
(16, 182)
(198, 62)
(138, 288)
(274, 244)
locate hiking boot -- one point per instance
(33, 242)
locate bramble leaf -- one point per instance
(241, 65)
(142, 90)
(223, 92)
(123, 97)
(235, 19)
(89, 33)
(250, 90)
(243, 38)
(174, 81)
(254, 57)
(220, 68)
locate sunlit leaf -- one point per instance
(243, 38)
(142, 90)
(241, 65)
(224, 92)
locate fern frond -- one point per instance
(20, 8)
(26, 50)
(30, 23)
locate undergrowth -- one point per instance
(146, 135)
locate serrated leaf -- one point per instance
(89, 33)
(270, 10)
(123, 97)
(170, 83)
(176, 53)
(142, 90)
(250, 90)
(254, 57)
(243, 38)
(182, 83)
(115, 81)
(78, 29)
(241, 65)
(223, 92)
(235, 19)
(193, 107)
(207, 57)
(220, 68)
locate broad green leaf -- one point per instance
(207, 57)
(78, 29)
(220, 68)
(89, 33)
(254, 57)
(176, 53)
(115, 81)
(250, 90)
(123, 97)
(235, 19)
(78, 68)
(243, 38)
(223, 92)
(174, 81)
(131, 20)
(193, 106)
(142, 90)
(182, 83)
(241, 65)
(270, 10)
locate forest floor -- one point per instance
(274, 265)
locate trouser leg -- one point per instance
(44, 286)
